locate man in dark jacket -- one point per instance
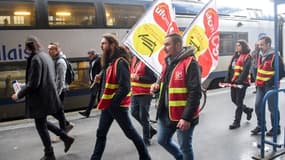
(94, 69)
(179, 100)
(41, 95)
(115, 98)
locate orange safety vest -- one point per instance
(177, 90)
(111, 87)
(265, 70)
(137, 87)
(238, 68)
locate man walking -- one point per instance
(94, 69)
(41, 95)
(265, 82)
(179, 100)
(115, 98)
(61, 86)
(141, 79)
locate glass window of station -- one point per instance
(118, 15)
(71, 14)
(17, 13)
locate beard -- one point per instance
(106, 57)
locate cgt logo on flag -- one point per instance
(146, 38)
(203, 35)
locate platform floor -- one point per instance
(212, 138)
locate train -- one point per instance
(78, 25)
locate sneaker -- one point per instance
(85, 114)
(256, 130)
(234, 126)
(249, 114)
(270, 133)
(69, 127)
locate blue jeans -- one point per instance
(260, 92)
(164, 138)
(121, 115)
(140, 111)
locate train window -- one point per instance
(17, 13)
(118, 15)
(11, 71)
(228, 40)
(71, 14)
(81, 75)
(242, 36)
(227, 43)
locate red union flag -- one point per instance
(145, 40)
(203, 35)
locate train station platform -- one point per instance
(212, 138)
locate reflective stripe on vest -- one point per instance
(110, 88)
(177, 90)
(265, 71)
(137, 87)
(239, 68)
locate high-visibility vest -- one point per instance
(177, 90)
(238, 68)
(111, 86)
(137, 87)
(265, 70)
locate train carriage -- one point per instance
(78, 25)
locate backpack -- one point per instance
(69, 75)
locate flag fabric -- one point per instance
(203, 34)
(145, 40)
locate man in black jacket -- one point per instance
(115, 99)
(180, 94)
(41, 95)
(94, 69)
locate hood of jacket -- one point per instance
(183, 53)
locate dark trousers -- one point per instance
(94, 94)
(42, 126)
(121, 115)
(237, 96)
(140, 111)
(91, 103)
(59, 115)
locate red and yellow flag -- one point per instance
(146, 38)
(203, 35)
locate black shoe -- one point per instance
(85, 114)
(152, 132)
(67, 143)
(249, 114)
(256, 130)
(234, 126)
(48, 157)
(69, 127)
(270, 133)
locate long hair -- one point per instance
(244, 46)
(33, 44)
(119, 51)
